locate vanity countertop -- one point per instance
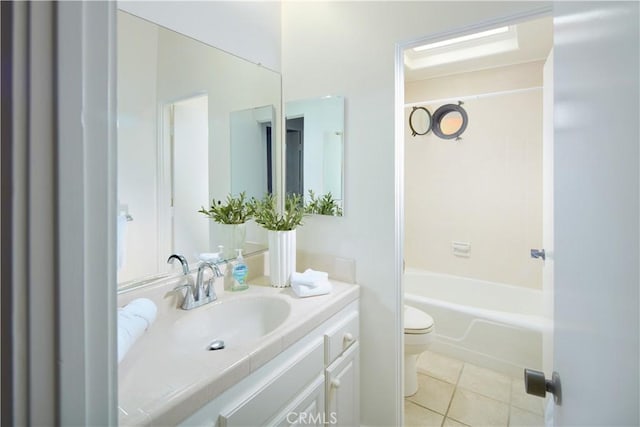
(161, 382)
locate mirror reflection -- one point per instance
(194, 124)
(314, 153)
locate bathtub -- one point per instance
(493, 325)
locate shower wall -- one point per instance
(484, 190)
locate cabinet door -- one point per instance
(306, 410)
(342, 389)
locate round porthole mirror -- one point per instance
(450, 121)
(420, 121)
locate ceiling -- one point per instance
(529, 41)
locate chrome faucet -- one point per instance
(209, 291)
(197, 294)
(183, 261)
(189, 297)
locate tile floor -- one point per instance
(452, 393)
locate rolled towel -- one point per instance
(310, 278)
(319, 288)
(133, 320)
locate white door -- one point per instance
(596, 185)
(190, 174)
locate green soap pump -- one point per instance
(239, 272)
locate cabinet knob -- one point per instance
(348, 337)
(335, 383)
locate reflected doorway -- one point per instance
(295, 156)
(189, 172)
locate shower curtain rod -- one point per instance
(472, 97)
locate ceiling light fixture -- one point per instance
(461, 39)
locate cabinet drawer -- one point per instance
(277, 392)
(341, 337)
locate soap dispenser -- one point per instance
(239, 272)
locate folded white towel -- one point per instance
(311, 278)
(321, 287)
(133, 320)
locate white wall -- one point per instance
(486, 189)
(248, 29)
(348, 48)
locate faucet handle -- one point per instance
(210, 290)
(216, 270)
(189, 300)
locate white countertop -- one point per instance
(162, 383)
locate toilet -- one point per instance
(418, 328)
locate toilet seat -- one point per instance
(416, 321)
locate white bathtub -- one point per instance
(492, 325)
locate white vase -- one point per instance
(282, 257)
(232, 237)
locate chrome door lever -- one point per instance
(538, 253)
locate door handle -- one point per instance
(537, 385)
(538, 253)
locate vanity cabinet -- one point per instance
(314, 382)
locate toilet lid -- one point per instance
(416, 321)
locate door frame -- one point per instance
(510, 19)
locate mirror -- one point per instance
(194, 124)
(420, 121)
(450, 121)
(314, 153)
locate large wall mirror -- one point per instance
(314, 153)
(194, 124)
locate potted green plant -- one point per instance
(231, 215)
(323, 205)
(281, 229)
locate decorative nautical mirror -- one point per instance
(420, 121)
(450, 121)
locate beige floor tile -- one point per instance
(448, 422)
(523, 400)
(416, 415)
(485, 382)
(433, 394)
(477, 410)
(521, 418)
(439, 366)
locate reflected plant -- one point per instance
(265, 212)
(324, 205)
(235, 210)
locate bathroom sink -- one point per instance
(235, 321)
